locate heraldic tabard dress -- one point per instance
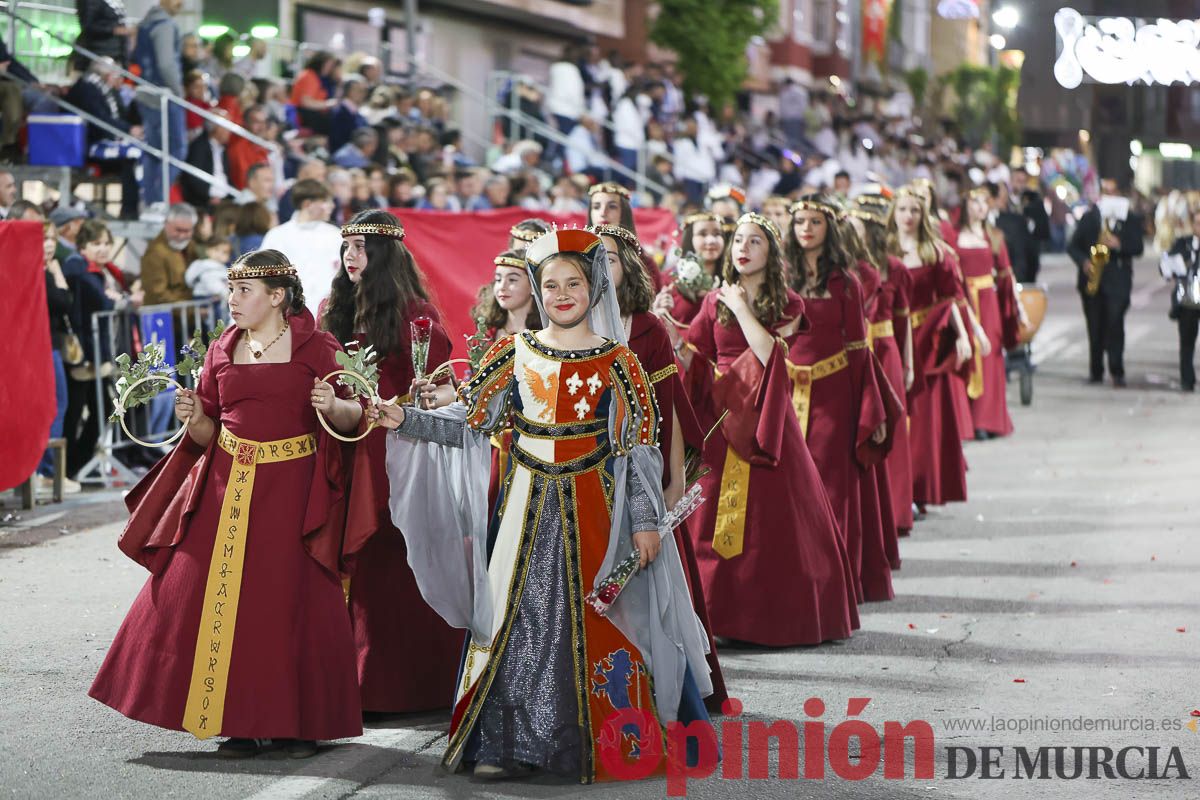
(555, 669)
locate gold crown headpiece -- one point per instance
(609, 188)
(374, 229)
(816, 205)
(617, 232)
(509, 261)
(982, 191)
(867, 215)
(872, 200)
(240, 272)
(524, 234)
(701, 216)
(762, 222)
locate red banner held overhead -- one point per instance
(455, 252)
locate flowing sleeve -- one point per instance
(445, 455)
(701, 333)
(655, 611)
(1006, 295)
(871, 412)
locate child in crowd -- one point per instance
(206, 276)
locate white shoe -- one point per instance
(70, 486)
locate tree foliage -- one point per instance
(710, 38)
(983, 103)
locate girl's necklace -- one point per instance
(259, 353)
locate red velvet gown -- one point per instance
(774, 567)
(892, 306)
(987, 387)
(844, 408)
(876, 488)
(407, 655)
(649, 342)
(291, 663)
(938, 466)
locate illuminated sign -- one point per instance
(1123, 50)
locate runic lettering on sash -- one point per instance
(204, 712)
(730, 532)
(803, 378)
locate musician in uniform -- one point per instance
(1105, 279)
(1188, 248)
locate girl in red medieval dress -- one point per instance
(242, 630)
(609, 204)
(545, 669)
(775, 569)
(941, 351)
(992, 294)
(679, 303)
(406, 652)
(836, 395)
(648, 339)
(890, 336)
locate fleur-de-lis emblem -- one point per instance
(582, 408)
(594, 384)
(574, 384)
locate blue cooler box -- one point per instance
(57, 140)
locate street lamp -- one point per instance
(997, 41)
(1007, 17)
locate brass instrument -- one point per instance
(1100, 255)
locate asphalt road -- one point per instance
(1063, 594)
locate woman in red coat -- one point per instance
(836, 397)
(407, 655)
(775, 569)
(941, 351)
(647, 337)
(242, 630)
(990, 290)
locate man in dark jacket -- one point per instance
(103, 28)
(1105, 310)
(1022, 249)
(208, 154)
(1188, 247)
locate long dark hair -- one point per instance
(293, 301)
(389, 285)
(489, 312)
(833, 256)
(772, 297)
(874, 241)
(636, 293)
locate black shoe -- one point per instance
(241, 748)
(300, 748)
(982, 435)
(1095, 379)
(1188, 388)
(1118, 381)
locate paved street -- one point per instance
(1065, 588)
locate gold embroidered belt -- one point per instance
(803, 378)
(880, 330)
(975, 285)
(921, 314)
(205, 709)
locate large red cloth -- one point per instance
(793, 582)
(989, 412)
(291, 672)
(845, 409)
(408, 656)
(455, 252)
(27, 402)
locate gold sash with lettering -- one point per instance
(803, 378)
(880, 330)
(975, 285)
(205, 710)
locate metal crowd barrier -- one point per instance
(113, 333)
